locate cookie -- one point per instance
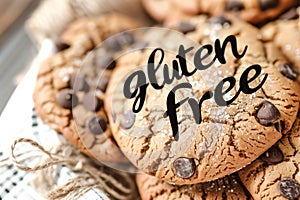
(61, 92)
(157, 9)
(171, 11)
(289, 44)
(251, 11)
(213, 140)
(226, 188)
(275, 175)
(95, 29)
(256, 12)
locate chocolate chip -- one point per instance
(102, 83)
(105, 62)
(66, 98)
(291, 14)
(289, 188)
(91, 102)
(267, 114)
(127, 119)
(78, 83)
(112, 44)
(125, 38)
(185, 27)
(116, 43)
(287, 70)
(268, 4)
(222, 20)
(234, 6)
(140, 45)
(60, 46)
(184, 167)
(96, 125)
(272, 156)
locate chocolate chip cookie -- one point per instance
(251, 11)
(213, 138)
(62, 93)
(255, 12)
(275, 174)
(285, 33)
(226, 188)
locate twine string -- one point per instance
(89, 176)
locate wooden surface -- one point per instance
(16, 49)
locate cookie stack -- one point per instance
(234, 88)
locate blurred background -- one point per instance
(16, 49)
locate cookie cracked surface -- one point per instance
(228, 138)
(275, 175)
(276, 32)
(256, 11)
(226, 188)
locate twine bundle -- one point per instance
(116, 184)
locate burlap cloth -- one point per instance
(52, 16)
